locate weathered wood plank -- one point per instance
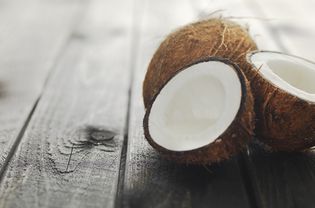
(69, 155)
(31, 36)
(151, 181)
(285, 179)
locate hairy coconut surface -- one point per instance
(284, 89)
(209, 38)
(203, 114)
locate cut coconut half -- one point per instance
(284, 87)
(203, 114)
(292, 74)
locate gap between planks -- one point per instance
(150, 180)
(135, 37)
(76, 19)
(37, 115)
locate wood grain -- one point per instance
(69, 155)
(31, 36)
(150, 180)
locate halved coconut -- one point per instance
(284, 89)
(203, 114)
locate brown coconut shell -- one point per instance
(209, 38)
(233, 140)
(284, 121)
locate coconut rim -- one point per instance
(248, 60)
(241, 109)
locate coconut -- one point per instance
(284, 89)
(203, 114)
(199, 106)
(209, 38)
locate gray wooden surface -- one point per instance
(71, 108)
(32, 36)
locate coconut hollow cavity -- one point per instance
(284, 88)
(203, 114)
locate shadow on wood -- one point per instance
(283, 179)
(172, 185)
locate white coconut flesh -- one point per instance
(195, 107)
(289, 73)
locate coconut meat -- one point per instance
(195, 107)
(291, 74)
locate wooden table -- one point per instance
(71, 107)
